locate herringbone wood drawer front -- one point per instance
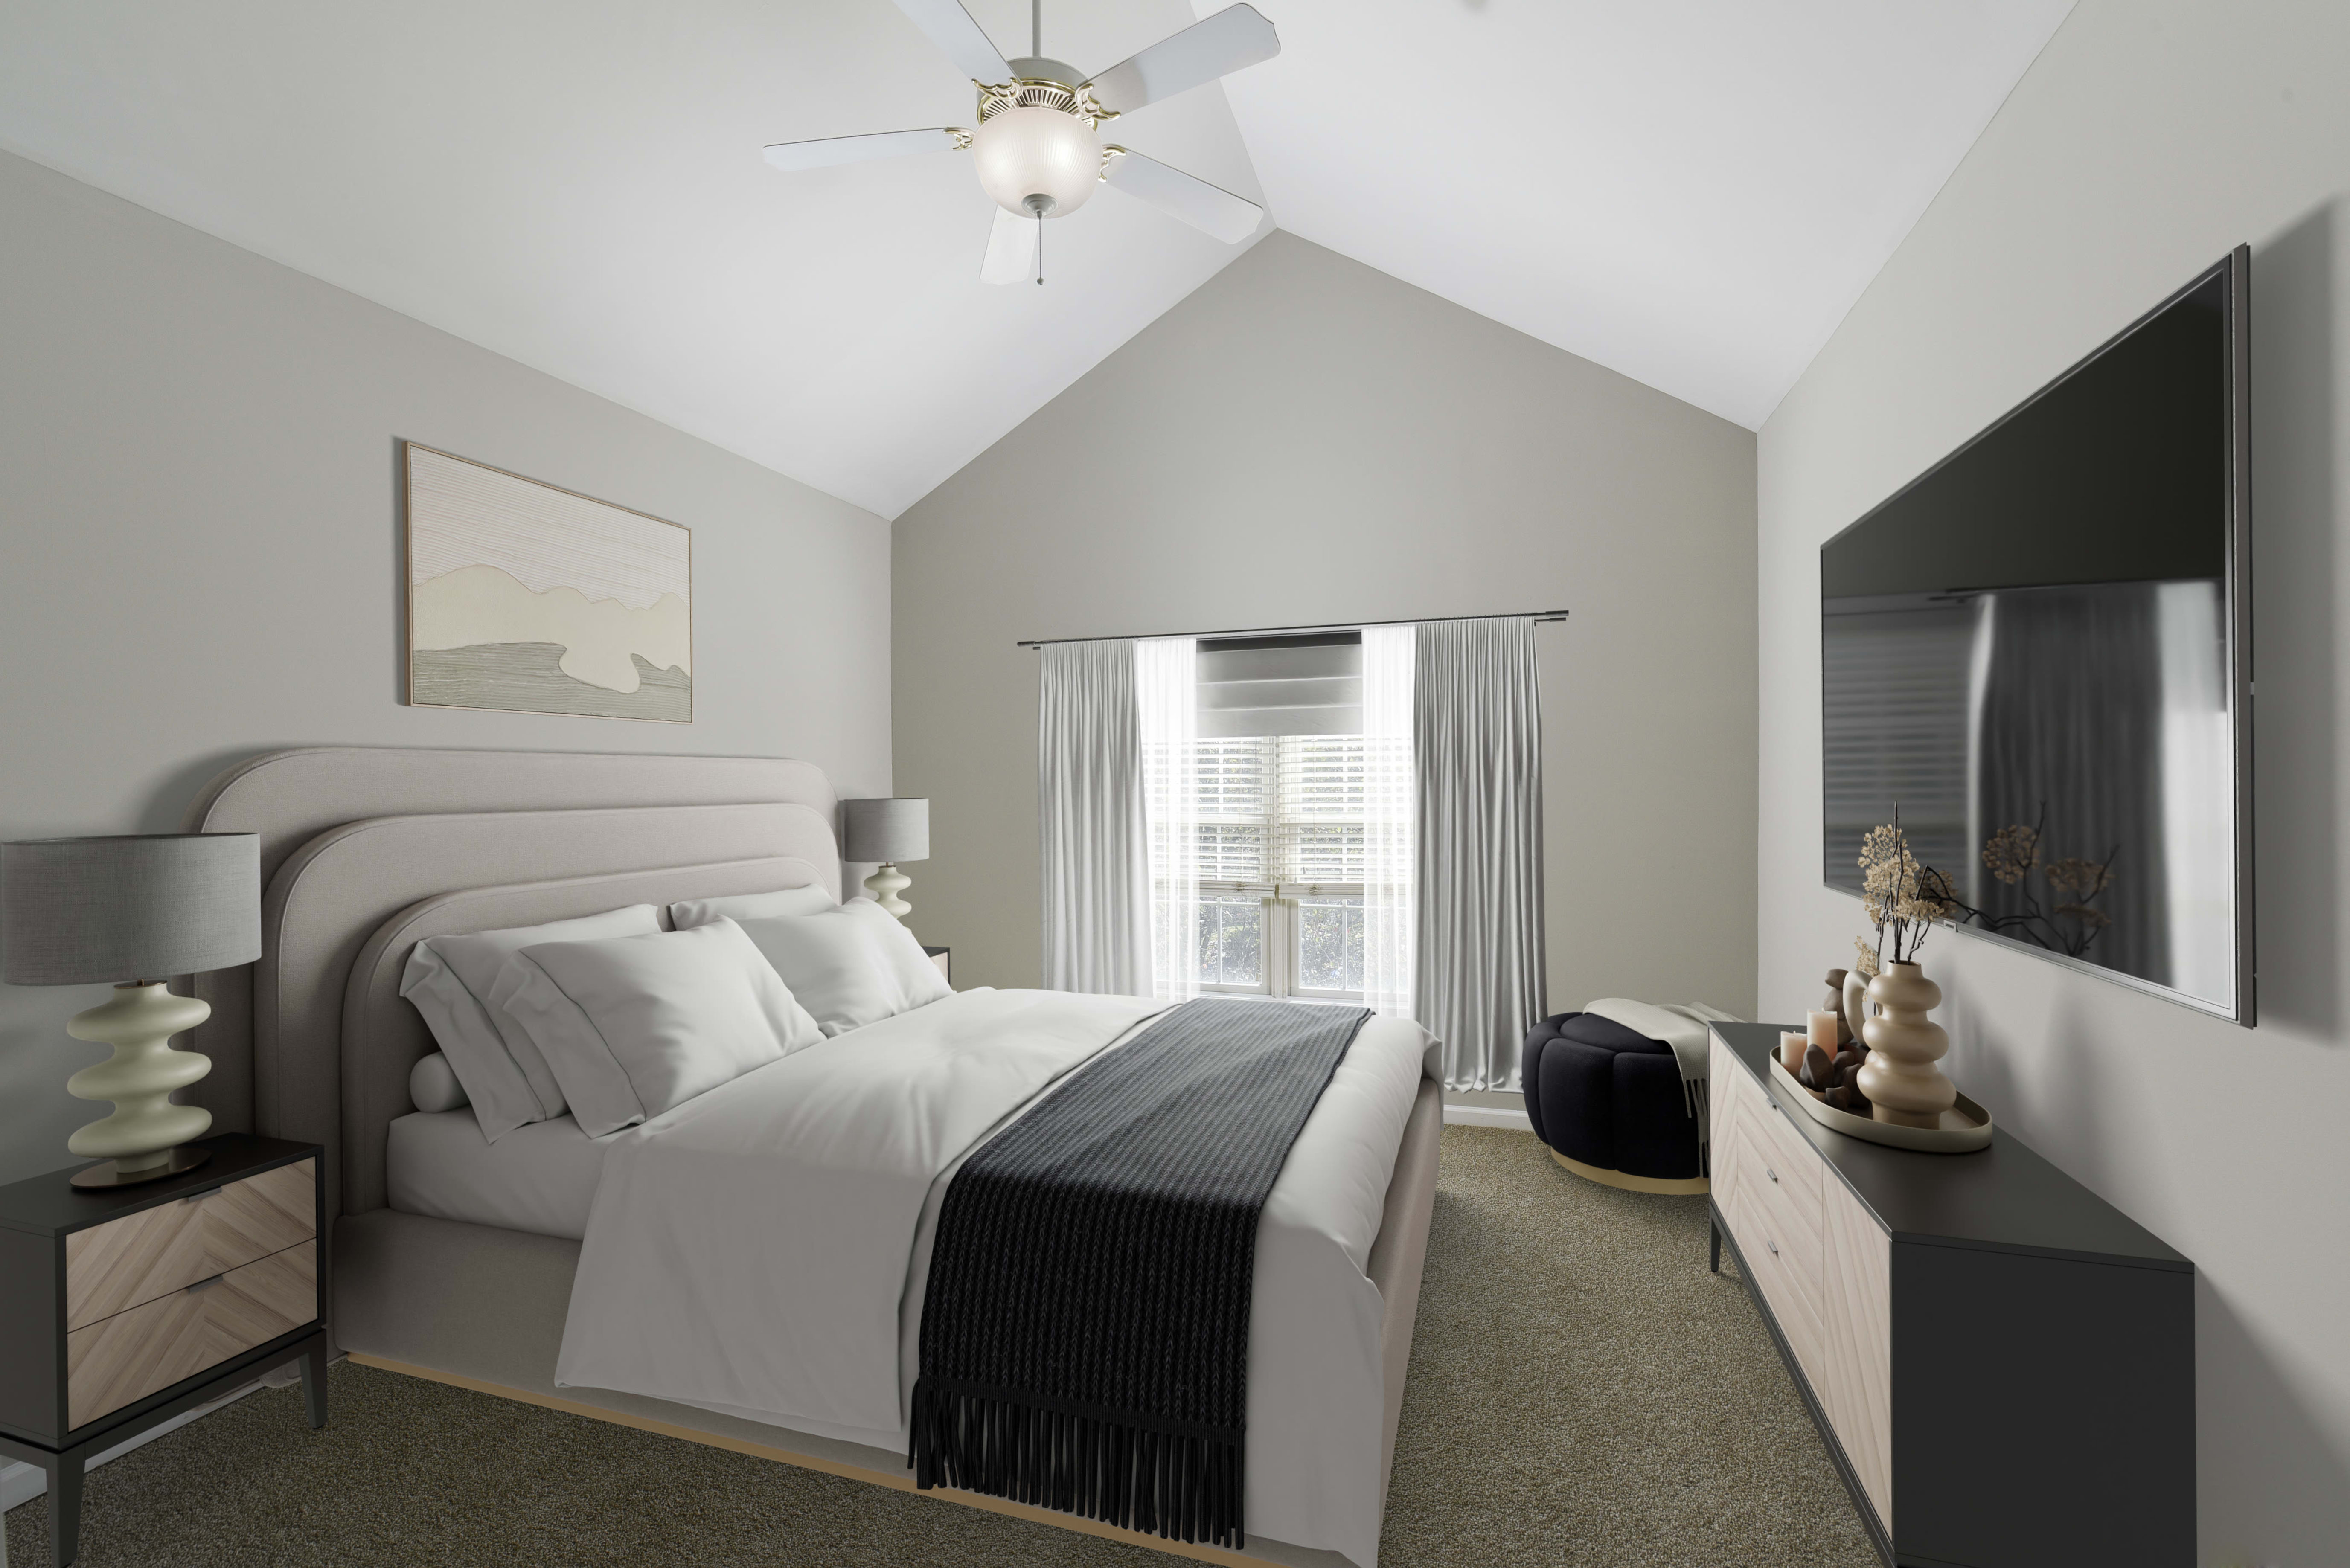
(131, 1354)
(140, 1257)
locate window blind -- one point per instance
(1280, 808)
(1897, 699)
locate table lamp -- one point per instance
(887, 831)
(77, 911)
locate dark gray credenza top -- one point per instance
(2002, 1199)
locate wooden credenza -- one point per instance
(2001, 1363)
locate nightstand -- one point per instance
(944, 959)
(122, 1307)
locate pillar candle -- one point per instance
(1791, 1051)
(1823, 1027)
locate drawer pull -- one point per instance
(1772, 1245)
(202, 1285)
(1771, 1173)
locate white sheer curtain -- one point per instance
(1096, 868)
(1390, 911)
(1167, 688)
(1477, 740)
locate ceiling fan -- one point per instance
(1038, 147)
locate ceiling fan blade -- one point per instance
(1211, 209)
(1236, 36)
(950, 27)
(833, 150)
(1010, 250)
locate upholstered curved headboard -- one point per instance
(359, 843)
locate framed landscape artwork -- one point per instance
(533, 599)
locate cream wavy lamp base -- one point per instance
(141, 1141)
(885, 885)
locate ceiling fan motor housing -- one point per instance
(1037, 151)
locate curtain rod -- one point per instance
(1539, 617)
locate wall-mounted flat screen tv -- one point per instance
(2038, 652)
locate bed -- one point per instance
(461, 1261)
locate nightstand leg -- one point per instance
(1713, 1240)
(314, 1382)
(65, 1507)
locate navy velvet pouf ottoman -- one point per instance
(1607, 1102)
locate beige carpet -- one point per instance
(1583, 1392)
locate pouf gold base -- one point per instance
(1670, 1187)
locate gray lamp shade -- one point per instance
(80, 911)
(885, 830)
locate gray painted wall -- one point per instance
(201, 556)
(2148, 138)
(1307, 440)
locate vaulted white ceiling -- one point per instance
(1692, 191)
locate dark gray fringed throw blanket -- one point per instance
(1085, 1334)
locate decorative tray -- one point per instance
(1966, 1127)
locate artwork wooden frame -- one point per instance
(523, 596)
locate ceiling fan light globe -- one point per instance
(1029, 152)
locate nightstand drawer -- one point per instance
(145, 1256)
(150, 1346)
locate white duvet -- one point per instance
(762, 1250)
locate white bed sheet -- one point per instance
(694, 1284)
(540, 1178)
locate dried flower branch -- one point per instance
(1899, 894)
(2011, 854)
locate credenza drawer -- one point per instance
(1773, 1207)
(145, 1256)
(1787, 1280)
(122, 1360)
(1785, 1153)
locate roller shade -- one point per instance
(1282, 686)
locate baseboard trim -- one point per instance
(1487, 1116)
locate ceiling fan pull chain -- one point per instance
(1040, 250)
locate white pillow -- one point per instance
(432, 1083)
(851, 966)
(749, 906)
(453, 982)
(634, 1026)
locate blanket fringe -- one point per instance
(1176, 1486)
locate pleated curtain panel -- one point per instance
(1167, 694)
(1391, 913)
(1089, 788)
(1477, 728)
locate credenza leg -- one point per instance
(1713, 1240)
(314, 1381)
(64, 1506)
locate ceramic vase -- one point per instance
(1902, 1079)
(1856, 1003)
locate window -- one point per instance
(1281, 864)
